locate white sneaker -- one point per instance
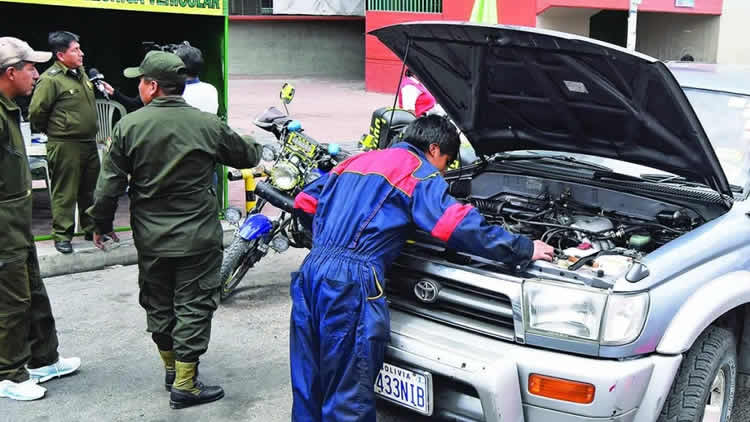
(62, 367)
(25, 391)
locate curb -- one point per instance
(89, 258)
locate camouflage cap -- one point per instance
(13, 50)
(158, 65)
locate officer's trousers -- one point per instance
(27, 327)
(339, 330)
(74, 168)
(180, 296)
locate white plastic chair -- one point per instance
(105, 112)
(39, 163)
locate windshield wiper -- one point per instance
(560, 158)
(679, 180)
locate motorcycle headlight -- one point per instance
(269, 152)
(285, 176)
(578, 312)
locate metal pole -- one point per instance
(632, 23)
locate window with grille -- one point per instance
(266, 7)
(414, 6)
(250, 7)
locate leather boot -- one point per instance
(169, 369)
(188, 391)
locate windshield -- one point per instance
(726, 120)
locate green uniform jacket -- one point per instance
(63, 105)
(15, 184)
(170, 151)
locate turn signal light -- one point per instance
(560, 389)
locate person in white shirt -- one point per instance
(200, 95)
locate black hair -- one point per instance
(687, 58)
(409, 73)
(192, 57)
(172, 87)
(59, 41)
(433, 129)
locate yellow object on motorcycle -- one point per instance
(368, 142)
(250, 183)
(287, 93)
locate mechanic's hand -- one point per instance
(542, 251)
(108, 88)
(99, 239)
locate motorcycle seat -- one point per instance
(269, 117)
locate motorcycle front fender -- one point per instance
(255, 226)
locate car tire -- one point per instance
(713, 358)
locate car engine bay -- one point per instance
(597, 232)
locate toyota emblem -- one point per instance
(427, 291)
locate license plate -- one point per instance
(408, 388)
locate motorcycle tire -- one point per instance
(238, 259)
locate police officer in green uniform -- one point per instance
(27, 327)
(63, 107)
(170, 149)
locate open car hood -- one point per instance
(515, 88)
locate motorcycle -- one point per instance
(297, 160)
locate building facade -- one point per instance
(337, 46)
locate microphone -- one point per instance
(97, 78)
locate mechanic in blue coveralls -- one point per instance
(364, 210)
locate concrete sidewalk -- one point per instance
(87, 257)
(330, 111)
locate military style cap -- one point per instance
(158, 65)
(13, 50)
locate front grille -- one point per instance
(410, 288)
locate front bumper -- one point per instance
(483, 379)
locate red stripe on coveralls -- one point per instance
(306, 202)
(450, 220)
(396, 165)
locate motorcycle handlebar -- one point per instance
(234, 175)
(274, 197)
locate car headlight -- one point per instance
(564, 311)
(580, 312)
(285, 175)
(269, 152)
(624, 318)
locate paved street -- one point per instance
(98, 319)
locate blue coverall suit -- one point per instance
(364, 210)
